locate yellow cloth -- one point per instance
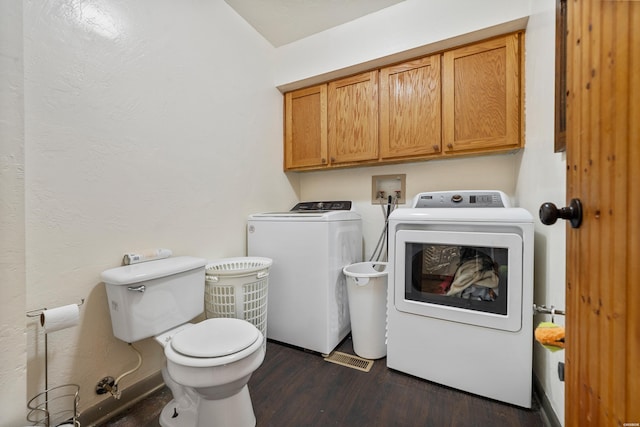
(550, 335)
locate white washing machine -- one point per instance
(460, 301)
(310, 244)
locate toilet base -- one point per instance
(233, 411)
(171, 416)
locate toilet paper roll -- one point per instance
(146, 255)
(60, 318)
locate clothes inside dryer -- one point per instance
(459, 276)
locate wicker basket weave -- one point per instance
(238, 288)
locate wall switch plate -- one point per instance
(383, 186)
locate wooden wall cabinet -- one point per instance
(481, 96)
(353, 118)
(462, 101)
(305, 124)
(410, 113)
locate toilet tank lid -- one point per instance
(149, 270)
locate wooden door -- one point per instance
(305, 139)
(481, 96)
(353, 118)
(603, 255)
(410, 113)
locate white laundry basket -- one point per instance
(237, 287)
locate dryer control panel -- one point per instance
(461, 199)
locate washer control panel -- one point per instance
(461, 199)
(322, 206)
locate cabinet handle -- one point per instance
(324, 160)
(436, 147)
(333, 160)
(450, 146)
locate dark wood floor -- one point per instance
(297, 388)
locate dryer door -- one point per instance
(467, 277)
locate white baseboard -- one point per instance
(549, 415)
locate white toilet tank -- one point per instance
(152, 297)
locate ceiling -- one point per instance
(285, 21)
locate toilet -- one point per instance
(208, 364)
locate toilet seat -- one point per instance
(215, 338)
(213, 342)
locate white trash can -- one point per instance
(367, 293)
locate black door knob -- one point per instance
(549, 213)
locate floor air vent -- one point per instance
(350, 361)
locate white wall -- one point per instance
(420, 26)
(13, 359)
(410, 26)
(151, 123)
(487, 172)
(542, 178)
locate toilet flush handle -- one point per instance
(140, 288)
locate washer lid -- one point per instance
(333, 210)
(215, 338)
(306, 216)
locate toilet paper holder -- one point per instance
(40, 412)
(37, 312)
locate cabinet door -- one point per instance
(410, 114)
(481, 96)
(353, 118)
(305, 140)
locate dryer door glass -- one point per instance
(471, 277)
(468, 277)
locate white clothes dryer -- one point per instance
(460, 298)
(310, 245)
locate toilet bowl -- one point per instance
(215, 359)
(208, 364)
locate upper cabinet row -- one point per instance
(462, 101)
